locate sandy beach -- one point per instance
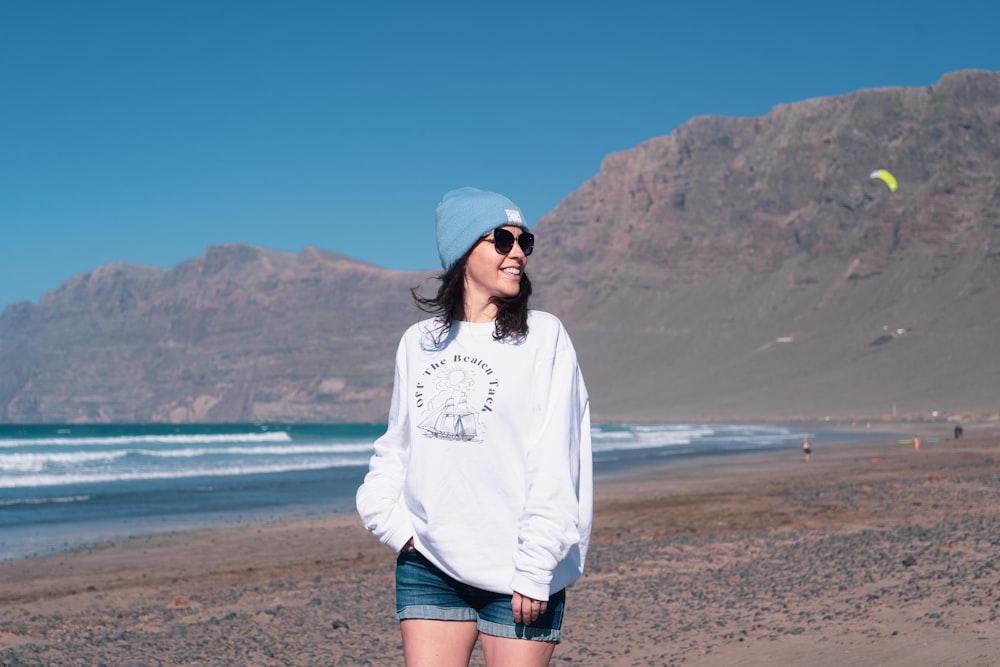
(870, 554)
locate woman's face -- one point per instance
(488, 273)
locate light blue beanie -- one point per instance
(465, 215)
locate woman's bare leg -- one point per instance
(428, 643)
(504, 652)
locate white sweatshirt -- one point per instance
(486, 462)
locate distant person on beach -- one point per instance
(958, 432)
(807, 449)
(916, 442)
(482, 483)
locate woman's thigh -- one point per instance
(429, 643)
(504, 652)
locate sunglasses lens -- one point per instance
(527, 242)
(503, 240)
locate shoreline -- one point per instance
(750, 559)
(88, 515)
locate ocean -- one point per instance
(71, 486)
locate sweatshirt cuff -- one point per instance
(532, 589)
(396, 539)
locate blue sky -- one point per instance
(145, 131)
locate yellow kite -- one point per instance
(889, 179)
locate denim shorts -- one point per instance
(424, 591)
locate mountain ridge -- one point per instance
(736, 268)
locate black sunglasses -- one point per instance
(503, 241)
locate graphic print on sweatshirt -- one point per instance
(454, 397)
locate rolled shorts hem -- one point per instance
(432, 613)
(519, 631)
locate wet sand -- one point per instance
(870, 554)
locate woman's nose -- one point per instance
(517, 252)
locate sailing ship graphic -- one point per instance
(454, 420)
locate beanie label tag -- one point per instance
(513, 216)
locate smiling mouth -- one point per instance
(512, 271)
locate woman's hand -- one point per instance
(527, 610)
(407, 547)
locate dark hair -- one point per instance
(449, 304)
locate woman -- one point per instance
(482, 482)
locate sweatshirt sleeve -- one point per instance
(380, 498)
(556, 515)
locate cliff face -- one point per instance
(737, 268)
(723, 194)
(751, 267)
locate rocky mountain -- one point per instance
(738, 268)
(238, 334)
